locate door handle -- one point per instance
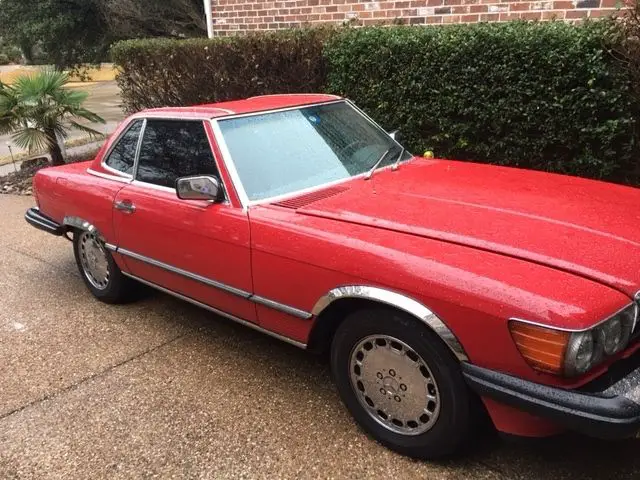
(125, 206)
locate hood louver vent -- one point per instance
(309, 198)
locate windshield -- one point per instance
(282, 152)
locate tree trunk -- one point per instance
(56, 154)
(26, 47)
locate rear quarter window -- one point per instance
(122, 156)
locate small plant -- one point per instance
(38, 110)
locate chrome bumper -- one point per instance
(42, 222)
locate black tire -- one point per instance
(118, 289)
(451, 426)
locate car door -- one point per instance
(196, 248)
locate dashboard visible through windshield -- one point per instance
(277, 153)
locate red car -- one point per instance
(442, 290)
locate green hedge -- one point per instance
(166, 72)
(538, 95)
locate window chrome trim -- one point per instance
(399, 301)
(295, 312)
(276, 110)
(138, 148)
(233, 172)
(117, 178)
(153, 186)
(219, 312)
(103, 161)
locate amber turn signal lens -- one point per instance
(543, 348)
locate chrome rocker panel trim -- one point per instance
(215, 284)
(399, 301)
(184, 273)
(279, 306)
(218, 312)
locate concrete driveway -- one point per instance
(162, 389)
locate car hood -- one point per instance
(589, 228)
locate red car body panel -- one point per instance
(476, 244)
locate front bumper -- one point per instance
(42, 222)
(604, 411)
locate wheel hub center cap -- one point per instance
(391, 384)
(394, 385)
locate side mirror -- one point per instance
(201, 187)
(396, 135)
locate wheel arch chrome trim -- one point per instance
(396, 300)
(85, 225)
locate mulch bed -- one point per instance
(20, 182)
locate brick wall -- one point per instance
(239, 16)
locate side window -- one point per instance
(123, 155)
(173, 149)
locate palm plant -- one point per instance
(38, 111)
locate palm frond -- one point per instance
(87, 115)
(31, 139)
(38, 108)
(85, 129)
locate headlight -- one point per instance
(614, 334)
(573, 353)
(582, 353)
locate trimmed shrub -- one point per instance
(166, 72)
(546, 96)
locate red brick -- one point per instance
(576, 14)
(531, 15)
(244, 15)
(553, 15)
(603, 12)
(505, 17)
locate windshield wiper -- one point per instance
(368, 175)
(395, 165)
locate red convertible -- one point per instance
(442, 291)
